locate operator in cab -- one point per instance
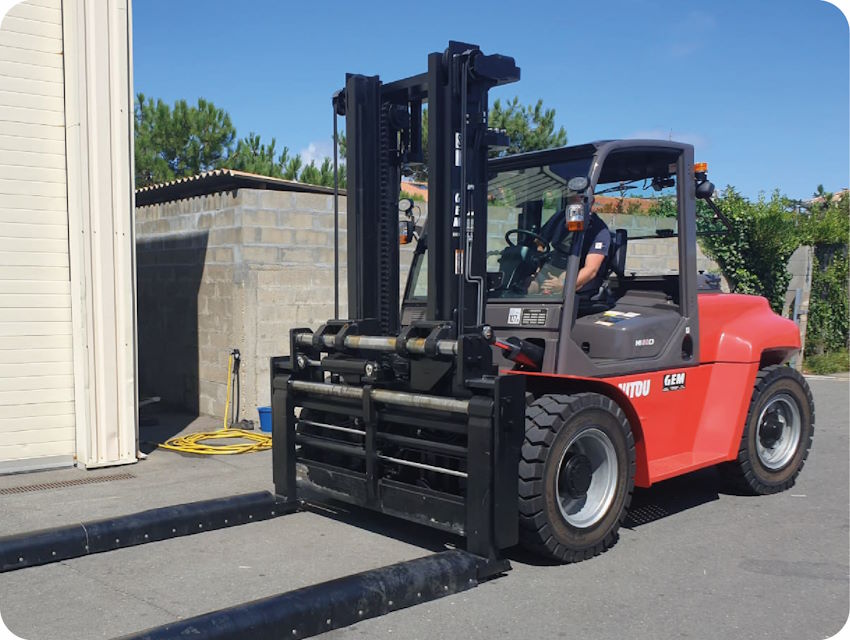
(594, 254)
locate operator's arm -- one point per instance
(592, 264)
(591, 267)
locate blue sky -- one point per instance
(760, 87)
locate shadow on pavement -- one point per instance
(672, 496)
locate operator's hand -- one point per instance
(552, 285)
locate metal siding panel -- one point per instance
(41, 434)
(25, 157)
(30, 57)
(34, 300)
(34, 273)
(29, 41)
(26, 244)
(40, 203)
(31, 188)
(33, 259)
(38, 450)
(10, 359)
(32, 369)
(35, 396)
(44, 13)
(30, 423)
(40, 409)
(44, 286)
(21, 230)
(56, 314)
(33, 27)
(37, 418)
(35, 132)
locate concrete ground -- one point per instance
(692, 562)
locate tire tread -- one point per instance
(543, 419)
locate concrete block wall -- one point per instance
(240, 269)
(224, 271)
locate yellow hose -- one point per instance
(194, 442)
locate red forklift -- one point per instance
(500, 410)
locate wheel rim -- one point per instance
(778, 433)
(586, 482)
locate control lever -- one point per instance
(522, 352)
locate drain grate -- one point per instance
(62, 484)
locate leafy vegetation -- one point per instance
(753, 255)
(183, 140)
(529, 127)
(826, 363)
(826, 229)
(180, 141)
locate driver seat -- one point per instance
(617, 253)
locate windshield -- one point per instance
(527, 239)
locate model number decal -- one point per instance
(645, 342)
(674, 381)
(514, 315)
(636, 389)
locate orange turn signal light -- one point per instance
(700, 167)
(575, 225)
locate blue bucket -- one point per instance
(265, 419)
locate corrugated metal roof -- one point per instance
(217, 181)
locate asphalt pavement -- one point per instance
(692, 562)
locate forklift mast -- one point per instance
(412, 421)
(384, 140)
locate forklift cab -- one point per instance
(539, 205)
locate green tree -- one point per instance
(826, 228)
(753, 255)
(664, 207)
(252, 156)
(180, 141)
(529, 127)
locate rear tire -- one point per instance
(777, 434)
(576, 475)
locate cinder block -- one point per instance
(219, 237)
(259, 218)
(283, 237)
(277, 200)
(313, 202)
(259, 254)
(297, 255)
(296, 220)
(224, 218)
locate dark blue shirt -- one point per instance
(597, 239)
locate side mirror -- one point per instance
(705, 190)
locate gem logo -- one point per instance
(674, 381)
(645, 342)
(636, 389)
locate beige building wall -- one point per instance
(37, 417)
(65, 163)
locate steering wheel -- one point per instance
(526, 232)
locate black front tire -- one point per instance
(554, 423)
(753, 472)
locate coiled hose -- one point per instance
(196, 442)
